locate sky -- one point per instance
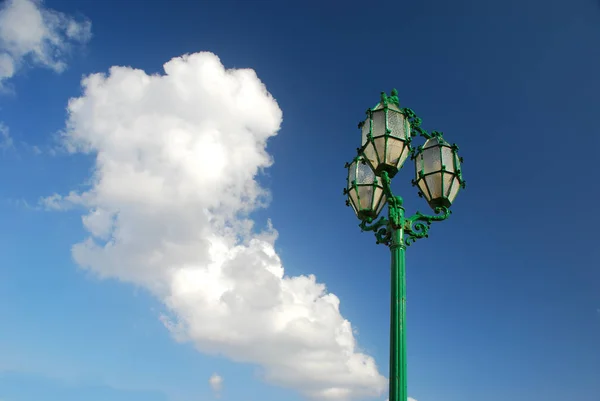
(173, 226)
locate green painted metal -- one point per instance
(398, 232)
(398, 378)
(414, 227)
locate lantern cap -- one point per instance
(386, 101)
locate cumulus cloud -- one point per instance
(216, 383)
(177, 157)
(6, 141)
(42, 36)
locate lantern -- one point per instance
(386, 136)
(438, 174)
(364, 190)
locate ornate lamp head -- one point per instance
(438, 173)
(386, 136)
(364, 190)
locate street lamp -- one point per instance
(387, 136)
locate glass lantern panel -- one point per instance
(380, 147)
(378, 128)
(430, 143)
(393, 107)
(403, 156)
(396, 124)
(366, 128)
(418, 165)
(454, 189)
(354, 208)
(434, 183)
(448, 158)
(448, 178)
(365, 195)
(431, 160)
(351, 173)
(395, 151)
(381, 204)
(370, 154)
(424, 190)
(377, 199)
(456, 162)
(353, 196)
(364, 174)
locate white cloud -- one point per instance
(31, 32)
(6, 141)
(176, 161)
(216, 383)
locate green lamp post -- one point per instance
(387, 136)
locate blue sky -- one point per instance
(503, 298)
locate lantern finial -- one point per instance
(394, 97)
(384, 98)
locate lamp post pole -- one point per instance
(394, 225)
(398, 376)
(387, 135)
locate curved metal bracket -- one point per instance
(415, 123)
(384, 227)
(383, 234)
(417, 226)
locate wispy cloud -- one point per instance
(32, 33)
(6, 141)
(216, 384)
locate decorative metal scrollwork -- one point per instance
(381, 229)
(418, 225)
(415, 122)
(415, 227)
